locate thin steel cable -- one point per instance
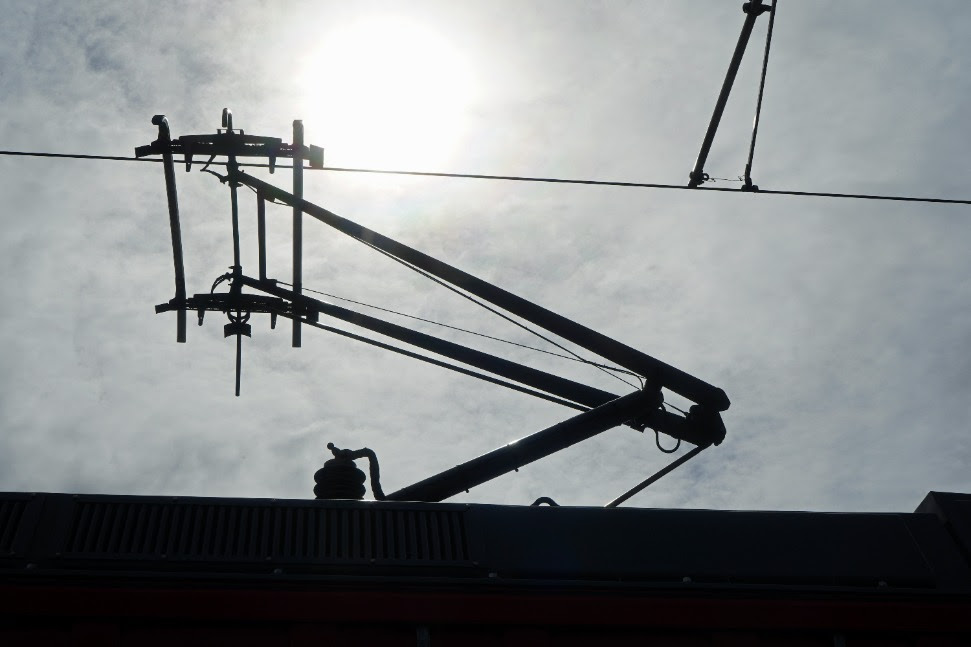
(465, 330)
(548, 180)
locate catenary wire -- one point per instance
(465, 330)
(520, 178)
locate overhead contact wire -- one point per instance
(519, 178)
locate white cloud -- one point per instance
(839, 329)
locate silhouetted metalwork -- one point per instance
(340, 478)
(601, 410)
(232, 143)
(748, 185)
(667, 469)
(531, 448)
(297, 227)
(654, 371)
(172, 196)
(752, 10)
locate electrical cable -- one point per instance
(465, 330)
(519, 178)
(497, 312)
(657, 441)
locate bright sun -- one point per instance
(388, 93)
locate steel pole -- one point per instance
(531, 448)
(172, 194)
(667, 469)
(297, 220)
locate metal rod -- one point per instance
(261, 232)
(172, 194)
(752, 10)
(526, 450)
(655, 371)
(297, 221)
(656, 476)
(239, 361)
(234, 201)
(758, 105)
(568, 389)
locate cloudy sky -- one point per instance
(840, 329)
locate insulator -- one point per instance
(339, 478)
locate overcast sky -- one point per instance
(840, 329)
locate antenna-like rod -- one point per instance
(165, 141)
(297, 222)
(749, 186)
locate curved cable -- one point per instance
(657, 441)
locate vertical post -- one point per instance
(165, 136)
(233, 168)
(748, 186)
(531, 448)
(297, 220)
(752, 10)
(261, 231)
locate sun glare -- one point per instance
(389, 93)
